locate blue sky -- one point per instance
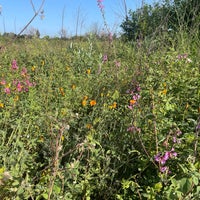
(15, 15)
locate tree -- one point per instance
(151, 20)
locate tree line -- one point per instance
(167, 16)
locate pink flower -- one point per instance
(100, 4)
(105, 58)
(7, 90)
(14, 65)
(117, 64)
(24, 71)
(28, 83)
(19, 87)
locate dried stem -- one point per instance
(55, 160)
(34, 16)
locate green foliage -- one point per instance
(95, 120)
(169, 16)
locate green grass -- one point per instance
(76, 127)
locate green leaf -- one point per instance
(158, 186)
(195, 180)
(115, 95)
(45, 195)
(185, 185)
(56, 189)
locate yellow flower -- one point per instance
(114, 105)
(16, 98)
(61, 91)
(84, 102)
(33, 68)
(41, 139)
(85, 97)
(93, 102)
(88, 71)
(62, 138)
(73, 87)
(67, 68)
(1, 105)
(42, 63)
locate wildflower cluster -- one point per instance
(135, 93)
(85, 101)
(20, 80)
(184, 57)
(162, 158)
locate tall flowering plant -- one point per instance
(101, 8)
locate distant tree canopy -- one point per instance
(166, 16)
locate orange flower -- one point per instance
(88, 126)
(114, 105)
(164, 92)
(93, 102)
(132, 101)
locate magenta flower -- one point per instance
(100, 4)
(7, 90)
(168, 154)
(14, 65)
(19, 87)
(164, 169)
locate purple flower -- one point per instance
(136, 97)
(164, 169)
(178, 132)
(105, 58)
(157, 157)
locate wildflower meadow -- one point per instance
(100, 118)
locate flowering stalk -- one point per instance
(101, 8)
